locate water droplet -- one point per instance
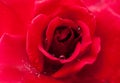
(78, 28)
(38, 75)
(45, 72)
(27, 66)
(46, 39)
(62, 57)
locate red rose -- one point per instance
(62, 42)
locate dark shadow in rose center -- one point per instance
(64, 41)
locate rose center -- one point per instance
(62, 34)
(64, 42)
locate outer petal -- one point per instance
(97, 2)
(22, 8)
(15, 15)
(35, 38)
(41, 5)
(109, 30)
(74, 10)
(107, 66)
(91, 2)
(12, 55)
(14, 65)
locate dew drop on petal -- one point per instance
(38, 75)
(62, 57)
(45, 72)
(46, 39)
(78, 28)
(28, 67)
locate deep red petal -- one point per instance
(56, 22)
(73, 67)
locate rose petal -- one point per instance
(107, 66)
(42, 6)
(34, 39)
(50, 31)
(12, 55)
(79, 13)
(56, 22)
(15, 15)
(21, 8)
(79, 50)
(91, 2)
(13, 63)
(115, 6)
(6, 53)
(109, 30)
(86, 37)
(74, 10)
(9, 22)
(77, 65)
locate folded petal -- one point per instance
(14, 64)
(78, 64)
(107, 66)
(35, 38)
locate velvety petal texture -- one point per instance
(14, 64)
(109, 31)
(62, 37)
(106, 68)
(15, 16)
(59, 41)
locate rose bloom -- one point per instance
(59, 41)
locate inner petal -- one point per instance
(64, 42)
(61, 38)
(63, 34)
